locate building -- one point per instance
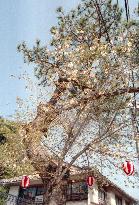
(78, 193)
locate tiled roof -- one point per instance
(75, 171)
(18, 179)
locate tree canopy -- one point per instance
(89, 63)
(13, 160)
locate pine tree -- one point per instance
(89, 64)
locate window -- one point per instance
(74, 191)
(31, 192)
(79, 187)
(102, 196)
(118, 200)
(84, 188)
(77, 191)
(69, 190)
(28, 193)
(40, 191)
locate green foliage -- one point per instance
(12, 152)
(3, 193)
(85, 18)
(8, 127)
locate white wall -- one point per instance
(123, 202)
(14, 191)
(93, 194)
(111, 198)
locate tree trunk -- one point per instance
(55, 194)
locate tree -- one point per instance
(12, 151)
(89, 64)
(3, 194)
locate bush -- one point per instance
(3, 194)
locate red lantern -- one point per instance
(90, 181)
(128, 168)
(25, 182)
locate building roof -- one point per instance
(16, 180)
(75, 171)
(106, 182)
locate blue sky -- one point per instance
(25, 20)
(22, 20)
